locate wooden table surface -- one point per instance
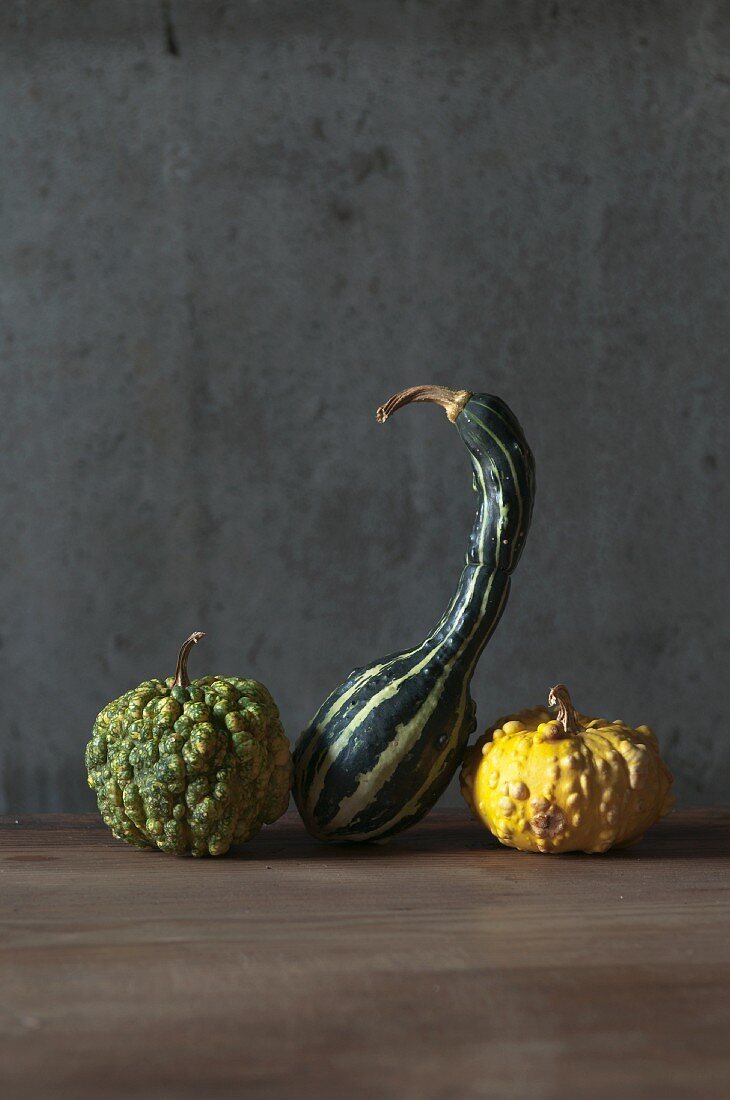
(436, 966)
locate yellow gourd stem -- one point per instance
(181, 672)
(567, 719)
(453, 401)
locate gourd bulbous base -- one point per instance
(384, 746)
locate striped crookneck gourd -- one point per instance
(383, 747)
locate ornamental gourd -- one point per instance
(557, 781)
(384, 745)
(190, 767)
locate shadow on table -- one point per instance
(685, 835)
(693, 834)
(292, 841)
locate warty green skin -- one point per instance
(190, 769)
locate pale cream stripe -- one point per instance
(415, 801)
(385, 693)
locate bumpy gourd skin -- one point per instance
(194, 768)
(540, 789)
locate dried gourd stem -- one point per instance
(453, 401)
(566, 718)
(181, 672)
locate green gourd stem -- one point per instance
(181, 672)
(453, 401)
(566, 718)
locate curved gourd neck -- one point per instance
(503, 474)
(504, 480)
(468, 622)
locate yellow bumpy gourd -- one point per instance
(563, 782)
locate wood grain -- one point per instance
(437, 966)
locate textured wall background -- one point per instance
(231, 230)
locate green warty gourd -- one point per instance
(190, 766)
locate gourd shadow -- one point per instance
(691, 835)
(692, 838)
(291, 841)
(318, 851)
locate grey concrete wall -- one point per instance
(231, 230)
